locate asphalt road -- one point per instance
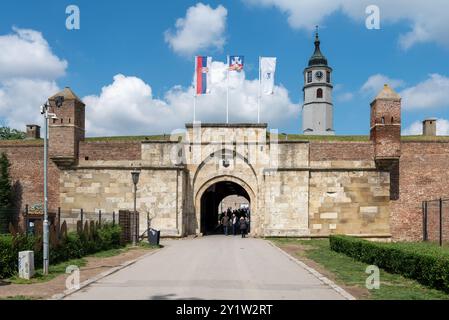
(214, 267)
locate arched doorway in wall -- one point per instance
(212, 203)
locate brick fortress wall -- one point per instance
(423, 175)
(110, 150)
(26, 171)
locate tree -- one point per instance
(5, 193)
(6, 133)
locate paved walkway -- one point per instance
(214, 267)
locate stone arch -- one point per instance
(227, 178)
(224, 151)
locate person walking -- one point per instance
(225, 223)
(234, 224)
(243, 226)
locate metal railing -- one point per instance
(71, 218)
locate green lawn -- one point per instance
(130, 138)
(19, 298)
(281, 137)
(60, 268)
(351, 273)
(53, 272)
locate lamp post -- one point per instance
(47, 115)
(135, 176)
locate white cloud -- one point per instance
(375, 83)
(415, 128)
(28, 70)
(26, 54)
(431, 93)
(127, 106)
(20, 100)
(345, 97)
(427, 21)
(202, 28)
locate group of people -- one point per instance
(237, 220)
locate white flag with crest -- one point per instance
(267, 72)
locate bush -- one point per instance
(73, 247)
(424, 263)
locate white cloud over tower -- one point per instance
(427, 22)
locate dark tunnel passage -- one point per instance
(210, 202)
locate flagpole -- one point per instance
(195, 89)
(227, 91)
(194, 108)
(260, 95)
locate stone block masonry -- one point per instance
(371, 189)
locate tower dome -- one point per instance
(317, 59)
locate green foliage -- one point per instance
(427, 264)
(9, 252)
(5, 194)
(5, 182)
(351, 274)
(75, 246)
(7, 133)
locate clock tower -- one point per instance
(317, 111)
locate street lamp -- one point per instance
(47, 115)
(135, 176)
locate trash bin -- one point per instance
(154, 237)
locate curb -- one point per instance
(317, 275)
(61, 296)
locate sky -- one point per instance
(132, 62)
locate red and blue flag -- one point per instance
(202, 71)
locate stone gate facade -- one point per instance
(297, 188)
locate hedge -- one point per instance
(424, 263)
(72, 247)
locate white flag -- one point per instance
(267, 71)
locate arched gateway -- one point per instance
(212, 193)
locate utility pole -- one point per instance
(45, 112)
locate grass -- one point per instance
(351, 273)
(301, 137)
(129, 138)
(424, 138)
(60, 268)
(53, 272)
(19, 298)
(290, 137)
(281, 137)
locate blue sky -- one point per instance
(129, 38)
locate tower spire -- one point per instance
(317, 58)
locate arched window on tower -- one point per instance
(319, 93)
(309, 76)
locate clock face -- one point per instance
(319, 75)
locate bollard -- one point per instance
(26, 264)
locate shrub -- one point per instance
(6, 193)
(74, 246)
(424, 263)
